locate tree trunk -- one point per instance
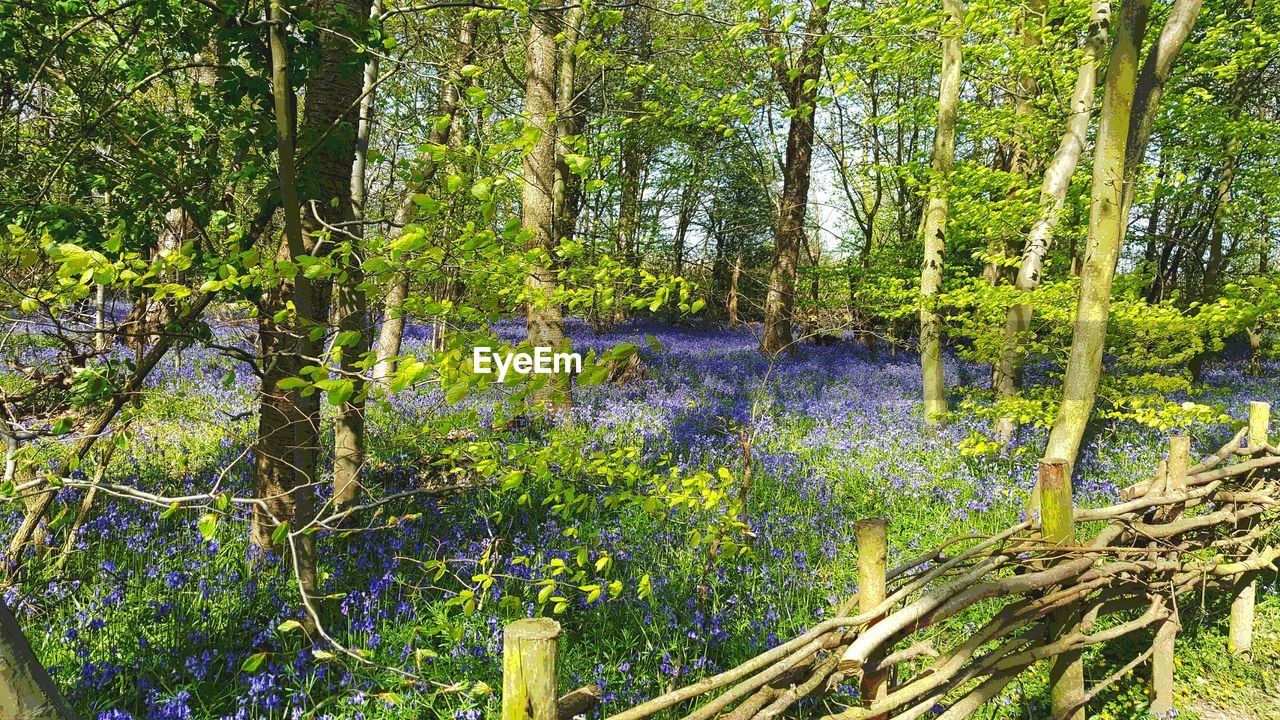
(393, 320)
(279, 409)
(684, 216)
(100, 340)
(544, 319)
(934, 228)
(566, 190)
(1150, 87)
(801, 86)
(1106, 235)
(1053, 197)
(733, 292)
(26, 690)
(351, 306)
(289, 422)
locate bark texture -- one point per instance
(26, 690)
(801, 87)
(1053, 197)
(544, 318)
(1106, 235)
(934, 228)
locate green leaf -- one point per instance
(253, 662)
(62, 425)
(207, 524)
(338, 390)
(291, 383)
(280, 533)
(289, 626)
(456, 392)
(347, 338)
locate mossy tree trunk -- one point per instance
(933, 229)
(1053, 197)
(1106, 234)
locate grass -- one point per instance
(153, 621)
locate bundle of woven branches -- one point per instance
(1210, 528)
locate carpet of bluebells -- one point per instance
(150, 619)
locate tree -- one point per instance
(294, 314)
(1130, 99)
(391, 333)
(800, 81)
(544, 317)
(934, 228)
(26, 690)
(1053, 197)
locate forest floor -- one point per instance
(614, 521)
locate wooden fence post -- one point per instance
(1240, 631)
(529, 669)
(1057, 526)
(1167, 633)
(873, 553)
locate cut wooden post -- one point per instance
(1240, 631)
(1259, 422)
(1176, 472)
(1162, 667)
(1179, 459)
(1057, 526)
(1167, 633)
(873, 554)
(529, 669)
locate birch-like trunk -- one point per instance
(1156, 70)
(1106, 235)
(1053, 197)
(933, 229)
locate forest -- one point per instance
(624, 359)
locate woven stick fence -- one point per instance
(1044, 594)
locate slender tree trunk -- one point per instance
(1264, 258)
(1156, 70)
(801, 86)
(100, 340)
(1053, 198)
(1106, 235)
(391, 335)
(544, 319)
(280, 409)
(684, 217)
(733, 292)
(566, 189)
(934, 228)
(350, 304)
(328, 125)
(26, 690)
